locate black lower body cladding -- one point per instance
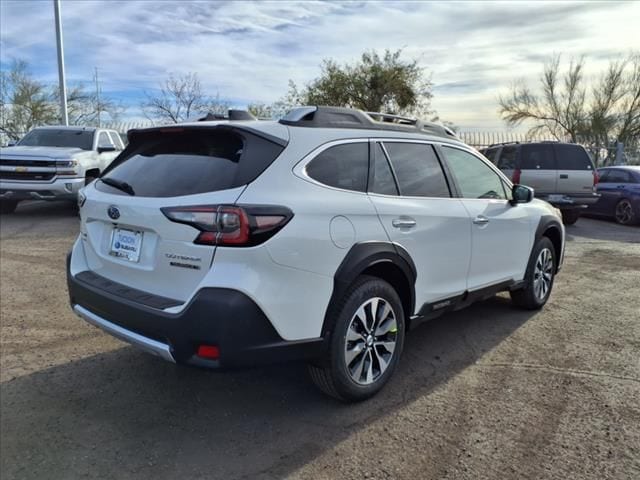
(225, 318)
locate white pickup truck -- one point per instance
(53, 163)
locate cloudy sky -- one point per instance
(247, 51)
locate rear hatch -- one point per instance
(129, 238)
(538, 168)
(575, 169)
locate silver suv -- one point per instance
(560, 173)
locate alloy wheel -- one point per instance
(370, 341)
(543, 274)
(624, 212)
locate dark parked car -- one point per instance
(619, 188)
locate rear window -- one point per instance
(177, 162)
(343, 166)
(572, 157)
(537, 157)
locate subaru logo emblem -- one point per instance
(113, 212)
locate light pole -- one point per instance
(61, 80)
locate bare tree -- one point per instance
(560, 110)
(85, 105)
(181, 98)
(24, 102)
(564, 108)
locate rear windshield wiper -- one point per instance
(119, 184)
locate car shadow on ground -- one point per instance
(62, 208)
(602, 228)
(126, 414)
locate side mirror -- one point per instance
(110, 148)
(521, 194)
(12, 143)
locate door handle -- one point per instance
(564, 175)
(404, 222)
(480, 220)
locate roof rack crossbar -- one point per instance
(393, 118)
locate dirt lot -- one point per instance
(487, 393)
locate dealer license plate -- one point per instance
(126, 244)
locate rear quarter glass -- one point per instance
(166, 163)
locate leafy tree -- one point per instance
(374, 83)
(180, 99)
(609, 110)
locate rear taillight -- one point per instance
(231, 225)
(515, 178)
(596, 178)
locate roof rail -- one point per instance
(504, 143)
(342, 117)
(231, 115)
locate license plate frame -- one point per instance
(126, 244)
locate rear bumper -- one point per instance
(570, 200)
(59, 189)
(222, 317)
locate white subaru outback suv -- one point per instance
(322, 237)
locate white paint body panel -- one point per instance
(291, 276)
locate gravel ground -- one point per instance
(490, 392)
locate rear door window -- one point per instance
(104, 141)
(618, 176)
(342, 166)
(417, 170)
(117, 141)
(490, 153)
(537, 157)
(507, 160)
(572, 157)
(176, 161)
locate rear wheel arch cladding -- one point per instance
(385, 260)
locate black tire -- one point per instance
(529, 297)
(8, 206)
(569, 217)
(624, 213)
(336, 376)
